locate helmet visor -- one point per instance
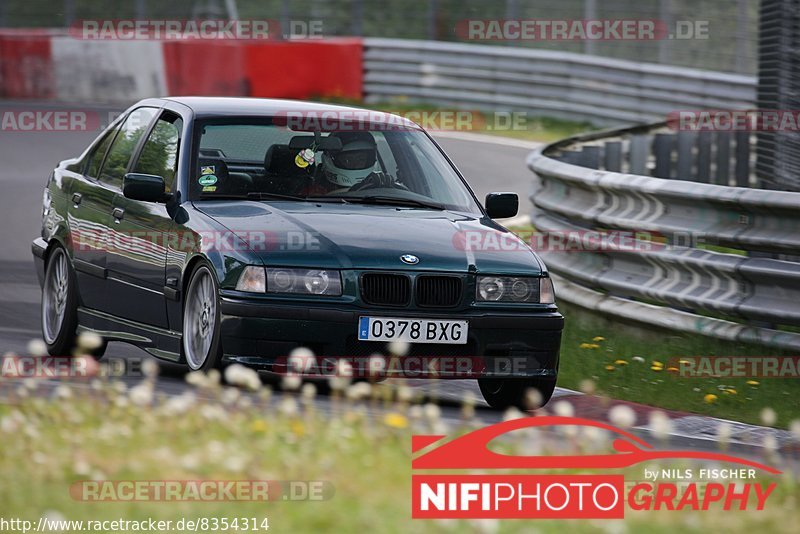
(354, 159)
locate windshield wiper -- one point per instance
(390, 201)
(260, 195)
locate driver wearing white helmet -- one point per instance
(355, 161)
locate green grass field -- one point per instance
(634, 363)
(105, 433)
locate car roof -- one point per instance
(205, 107)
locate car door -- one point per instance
(89, 220)
(137, 269)
(92, 226)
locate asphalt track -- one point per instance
(489, 164)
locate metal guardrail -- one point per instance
(563, 85)
(719, 259)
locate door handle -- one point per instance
(76, 199)
(118, 214)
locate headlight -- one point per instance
(253, 280)
(297, 281)
(515, 289)
(304, 281)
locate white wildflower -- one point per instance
(141, 394)
(622, 416)
(89, 341)
(399, 348)
(150, 368)
(291, 382)
(564, 409)
(660, 424)
(768, 416)
(301, 361)
(37, 347)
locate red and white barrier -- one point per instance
(42, 64)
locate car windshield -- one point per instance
(266, 159)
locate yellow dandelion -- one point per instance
(598, 338)
(395, 420)
(684, 362)
(710, 398)
(259, 425)
(589, 345)
(673, 369)
(657, 363)
(730, 391)
(656, 368)
(752, 382)
(297, 428)
(621, 362)
(610, 367)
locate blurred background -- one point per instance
(732, 45)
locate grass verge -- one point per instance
(641, 364)
(634, 363)
(361, 447)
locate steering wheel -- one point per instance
(378, 180)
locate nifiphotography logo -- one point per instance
(572, 496)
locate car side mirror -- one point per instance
(144, 187)
(502, 205)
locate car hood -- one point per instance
(348, 236)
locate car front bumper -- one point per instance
(500, 343)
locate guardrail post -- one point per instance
(703, 173)
(69, 12)
(722, 176)
(433, 8)
(685, 155)
(638, 154)
(590, 157)
(358, 17)
(662, 149)
(742, 168)
(613, 156)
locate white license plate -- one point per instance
(413, 330)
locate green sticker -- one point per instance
(207, 179)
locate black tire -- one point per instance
(202, 359)
(502, 393)
(64, 342)
(60, 334)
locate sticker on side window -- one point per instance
(207, 180)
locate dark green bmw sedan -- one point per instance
(209, 231)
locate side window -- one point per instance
(159, 155)
(96, 157)
(125, 143)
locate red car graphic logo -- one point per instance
(470, 450)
